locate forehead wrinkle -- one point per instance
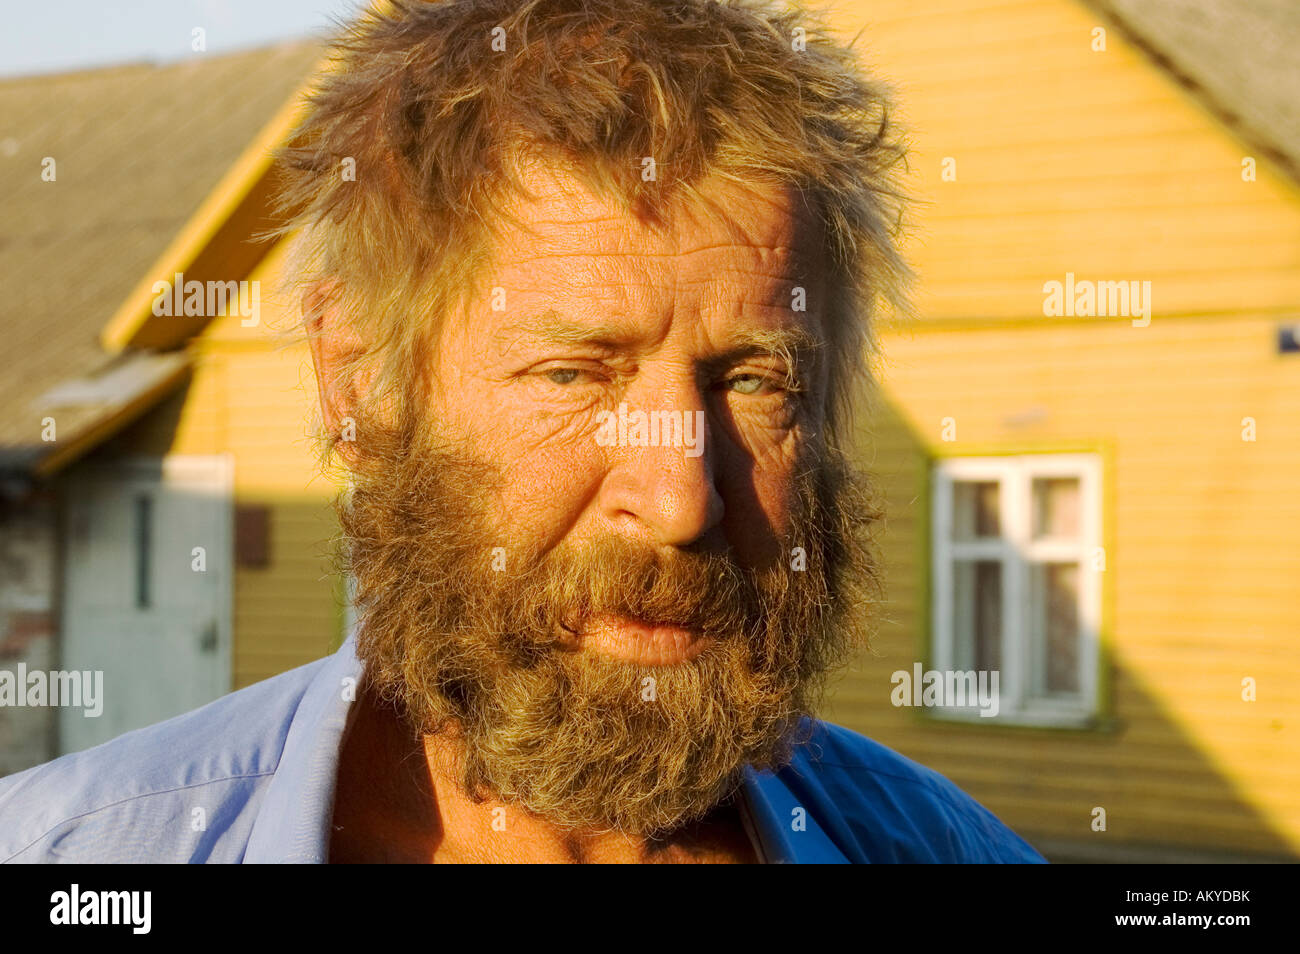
(792, 343)
(780, 266)
(570, 233)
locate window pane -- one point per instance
(1054, 602)
(975, 509)
(1056, 507)
(977, 614)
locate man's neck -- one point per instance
(397, 800)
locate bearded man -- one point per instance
(590, 316)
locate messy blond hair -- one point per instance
(437, 122)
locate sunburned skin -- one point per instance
(600, 310)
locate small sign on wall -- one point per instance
(252, 535)
(1288, 338)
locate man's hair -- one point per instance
(418, 132)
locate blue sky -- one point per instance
(58, 35)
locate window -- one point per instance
(1017, 558)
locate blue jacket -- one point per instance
(250, 778)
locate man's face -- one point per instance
(614, 622)
(598, 311)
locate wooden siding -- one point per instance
(1201, 532)
(251, 396)
(1101, 165)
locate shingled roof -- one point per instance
(1238, 56)
(137, 149)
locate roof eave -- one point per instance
(220, 242)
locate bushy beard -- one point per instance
(469, 633)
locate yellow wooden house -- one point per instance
(1087, 437)
(1101, 501)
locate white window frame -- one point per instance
(1016, 550)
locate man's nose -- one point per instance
(664, 492)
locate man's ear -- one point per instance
(334, 344)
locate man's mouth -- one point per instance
(639, 641)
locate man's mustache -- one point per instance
(709, 594)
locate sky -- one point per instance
(49, 36)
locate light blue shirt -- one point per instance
(250, 778)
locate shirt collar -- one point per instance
(787, 831)
(293, 823)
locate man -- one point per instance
(589, 316)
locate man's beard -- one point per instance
(476, 641)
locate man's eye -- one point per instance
(562, 375)
(748, 383)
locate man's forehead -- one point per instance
(561, 217)
(579, 269)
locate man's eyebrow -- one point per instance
(793, 344)
(550, 328)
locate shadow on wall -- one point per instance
(153, 583)
(1163, 795)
